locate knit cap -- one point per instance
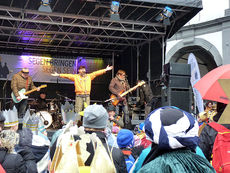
(95, 116)
(125, 138)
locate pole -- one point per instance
(113, 65)
(149, 71)
(163, 54)
(138, 60)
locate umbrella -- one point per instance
(210, 88)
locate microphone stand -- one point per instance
(4, 93)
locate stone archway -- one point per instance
(203, 50)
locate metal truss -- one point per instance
(90, 30)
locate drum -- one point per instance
(46, 118)
(53, 107)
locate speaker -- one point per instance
(175, 81)
(181, 98)
(177, 69)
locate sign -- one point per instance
(41, 68)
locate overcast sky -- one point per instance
(212, 9)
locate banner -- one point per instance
(40, 68)
(195, 76)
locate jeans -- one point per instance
(125, 110)
(21, 108)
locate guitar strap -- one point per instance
(27, 81)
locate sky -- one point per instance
(212, 9)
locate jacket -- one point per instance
(146, 94)
(17, 163)
(18, 82)
(115, 87)
(117, 155)
(207, 139)
(83, 84)
(178, 161)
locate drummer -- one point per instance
(41, 103)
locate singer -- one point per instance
(82, 83)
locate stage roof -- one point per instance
(84, 26)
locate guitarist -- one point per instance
(19, 81)
(117, 86)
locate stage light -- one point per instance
(114, 12)
(165, 15)
(45, 6)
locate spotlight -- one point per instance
(114, 12)
(45, 6)
(165, 15)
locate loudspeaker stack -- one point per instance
(177, 89)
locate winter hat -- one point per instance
(111, 108)
(203, 116)
(125, 138)
(170, 127)
(95, 116)
(141, 127)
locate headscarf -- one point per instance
(170, 128)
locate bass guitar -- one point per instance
(115, 100)
(23, 93)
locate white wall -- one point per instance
(212, 9)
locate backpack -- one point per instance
(221, 149)
(129, 159)
(2, 170)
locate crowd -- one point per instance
(167, 141)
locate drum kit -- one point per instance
(51, 116)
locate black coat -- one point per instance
(207, 139)
(117, 155)
(18, 163)
(146, 94)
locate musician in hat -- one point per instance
(21, 80)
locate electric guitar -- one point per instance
(114, 99)
(23, 93)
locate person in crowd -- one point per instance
(174, 141)
(114, 120)
(125, 141)
(210, 109)
(141, 134)
(11, 119)
(22, 80)
(39, 145)
(95, 121)
(208, 134)
(82, 82)
(117, 86)
(2, 119)
(23, 161)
